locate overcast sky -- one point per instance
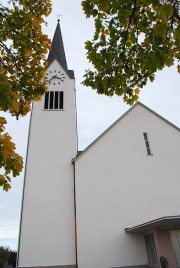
(95, 112)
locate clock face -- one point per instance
(55, 77)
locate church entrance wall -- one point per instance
(175, 239)
(163, 246)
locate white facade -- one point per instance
(47, 234)
(76, 208)
(119, 186)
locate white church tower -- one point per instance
(47, 229)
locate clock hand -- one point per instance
(54, 76)
(57, 77)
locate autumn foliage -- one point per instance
(23, 50)
(133, 39)
(10, 161)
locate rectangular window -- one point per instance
(54, 100)
(56, 106)
(46, 100)
(51, 102)
(150, 249)
(147, 143)
(61, 97)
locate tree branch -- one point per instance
(127, 31)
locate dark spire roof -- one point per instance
(57, 49)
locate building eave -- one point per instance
(166, 222)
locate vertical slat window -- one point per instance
(54, 100)
(61, 100)
(147, 143)
(46, 101)
(51, 104)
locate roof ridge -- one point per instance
(121, 117)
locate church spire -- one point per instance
(57, 50)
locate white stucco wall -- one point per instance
(47, 235)
(119, 186)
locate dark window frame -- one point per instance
(146, 140)
(54, 100)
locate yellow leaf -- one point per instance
(3, 120)
(14, 107)
(2, 178)
(6, 187)
(36, 21)
(137, 91)
(178, 67)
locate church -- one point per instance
(114, 205)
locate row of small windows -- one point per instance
(54, 100)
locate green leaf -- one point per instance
(88, 45)
(131, 42)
